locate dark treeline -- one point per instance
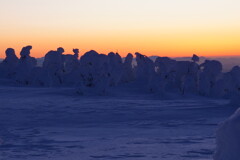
(100, 71)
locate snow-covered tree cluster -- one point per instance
(99, 71)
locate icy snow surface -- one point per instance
(44, 123)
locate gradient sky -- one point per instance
(152, 27)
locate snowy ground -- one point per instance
(39, 124)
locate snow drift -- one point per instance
(228, 139)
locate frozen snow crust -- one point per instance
(129, 124)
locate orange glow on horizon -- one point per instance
(170, 28)
(171, 45)
(224, 41)
(38, 52)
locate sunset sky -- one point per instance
(151, 27)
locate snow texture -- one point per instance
(228, 139)
(56, 123)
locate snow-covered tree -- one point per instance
(165, 73)
(211, 71)
(115, 68)
(195, 58)
(145, 73)
(128, 73)
(186, 76)
(71, 61)
(25, 66)
(145, 68)
(94, 73)
(228, 85)
(54, 66)
(8, 65)
(190, 81)
(71, 68)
